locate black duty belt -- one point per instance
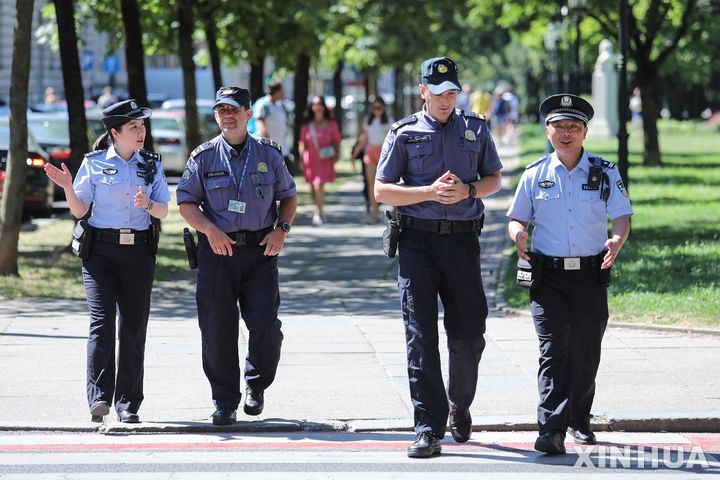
(441, 227)
(121, 237)
(572, 263)
(244, 237)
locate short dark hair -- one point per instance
(273, 87)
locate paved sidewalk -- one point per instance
(343, 364)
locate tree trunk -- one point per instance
(399, 94)
(135, 59)
(72, 80)
(257, 77)
(301, 87)
(185, 16)
(651, 153)
(13, 190)
(338, 89)
(211, 38)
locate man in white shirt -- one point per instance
(271, 118)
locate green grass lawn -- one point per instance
(48, 270)
(667, 272)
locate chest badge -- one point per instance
(470, 135)
(262, 167)
(110, 171)
(546, 184)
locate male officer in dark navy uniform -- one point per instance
(446, 161)
(568, 197)
(228, 193)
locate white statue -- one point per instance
(605, 93)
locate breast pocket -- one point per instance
(218, 192)
(592, 206)
(547, 203)
(265, 183)
(471, 152)
(418, 154)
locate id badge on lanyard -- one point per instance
(238, 206)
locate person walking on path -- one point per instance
(228, 193)
(319, 145)
(126, 186)
(447, 161)
(270, 119)
(568, 197)
(371, 139)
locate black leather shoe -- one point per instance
(552, 443)
(98, 410)
(460, 424)
(254, 402)
(126, 416)
(425, 445)
(582, 435)
(224, 416)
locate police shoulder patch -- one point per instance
(537, 162)
(404, 121)
(148, 155)
(270, 143)
(201, 148)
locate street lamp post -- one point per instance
(577, 7)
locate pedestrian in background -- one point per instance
(319, 145)
(125, 186)
(371, 139)
(229, 192)
(568, 197)
(107, 98)
(446, 161)
(270, 119)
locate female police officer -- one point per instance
(125, 185)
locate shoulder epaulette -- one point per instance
(148, 155)
(270, 143)
(201, 148)
(472, 115)
(96, 152)
(405, 121)
(603, 163)
(537, 162)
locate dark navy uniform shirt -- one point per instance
(110, 184)
(207, 182)
(418, 150)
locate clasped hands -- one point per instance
(449, 189)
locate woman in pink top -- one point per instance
(320, 148)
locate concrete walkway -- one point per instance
(343, 364)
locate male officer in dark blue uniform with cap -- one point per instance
(228, 193)
(446, 161)
(568, 197)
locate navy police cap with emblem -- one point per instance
(235, 96)
(440, 74)
(122, 112)
(565, 106)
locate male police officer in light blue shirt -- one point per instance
(228, 192)
(568, 197)
(446, 161)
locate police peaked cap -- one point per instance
(440, 74)
(122, 112)
(235, 96)
(565, 106)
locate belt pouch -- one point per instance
(391, 235)
(529, 274)
(603, 274)
(153, 239)
(82, 238)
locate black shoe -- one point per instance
(425, 445)
(460, 424)
(582, 435)
(126, 416)
(552, 443)
(224, 416)
(254, 402)
(98, 410)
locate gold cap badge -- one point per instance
(442, 68)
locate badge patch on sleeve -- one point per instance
(546, 184)
(187, 173)
(621, 187)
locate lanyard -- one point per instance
(248, 146)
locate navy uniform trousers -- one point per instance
(448, 265)
(117, 278)
(570, 313)
(250, 278)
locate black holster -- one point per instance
(82, 239)
(190, 248)
(603, 274)
(530, 274)
(153, 239)
(391, 235)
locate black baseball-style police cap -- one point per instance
(565, 106)
(440, 74)
(122, 112)
(235, 96)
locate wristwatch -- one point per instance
(472, 191)
(284, 226)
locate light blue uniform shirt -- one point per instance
(110, 183)
(568, 220)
